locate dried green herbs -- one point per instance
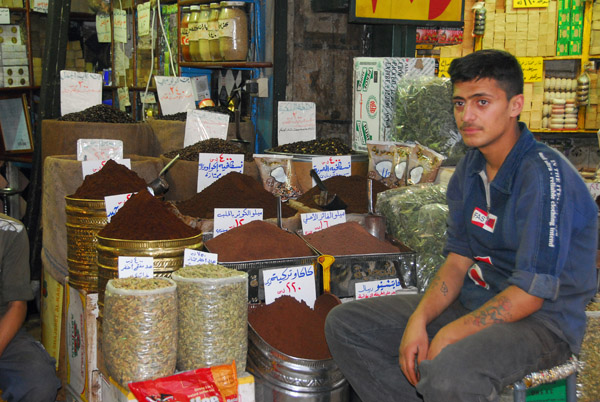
(213, 316)
(139, 328)
(210, 146)
(99, 114)
(588, 378)
(327, 146)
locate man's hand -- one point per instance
(443, 338)
(413, 349)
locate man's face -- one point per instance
(483, 114)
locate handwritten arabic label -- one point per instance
(120, 25)
(4, 16)
(533, 68)
(594, 189)
(79, 91)
(201, 125)
(136, 267)
(143, 19)
(229, 218)
(530, 3)
(92, 149)
(364, 290)
(40, 6)
(329, 166)
(103, 27)
(315, 221)
(444, 65)
(195, 257)
(175, 94)
(211, 167)
(123, 96)
(93, 166)
(298, 282)
(148, 98)
(296, 121)
(113, 203)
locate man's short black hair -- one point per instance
(489, 63)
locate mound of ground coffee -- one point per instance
(112, 179)
(234, 190)
(257, 240)
(348, 238)
(145, 217)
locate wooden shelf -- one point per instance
(226, 64)
(15, 89)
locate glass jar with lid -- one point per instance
(204, 47)
(193, 27)
(233, 31)
(213, 32)
(185, 37)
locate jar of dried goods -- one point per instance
(193, 29)
(213, 32)
(233, 31)
(204, 47)
(186, 13)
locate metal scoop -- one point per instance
(330, 202)
(160, 185)
(375, 224)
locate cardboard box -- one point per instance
(374, 92)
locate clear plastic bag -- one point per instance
(213, 316)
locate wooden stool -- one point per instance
(566, 370)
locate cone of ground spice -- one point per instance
(234, 190)
(145, 217)
(112, 179)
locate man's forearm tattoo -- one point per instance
(436, 283)
(495, 313)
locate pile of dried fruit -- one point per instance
(328, 146)
(210, 146)
(99, 114)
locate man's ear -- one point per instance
(516, 105)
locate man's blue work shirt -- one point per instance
(536, 229)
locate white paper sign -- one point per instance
(201, 125)
(143, 19)
(103, 27)
(40, 6)
(4, 16)
(211, 167)
(201, 89)
(148, 98)
(78, 91)
(315, 221)
(113, 203)
(99, 149)
(298, 282)
(136, 267)
(229, 218)
(123, 96)
(93, 166)
(120, 25)
(364, 290)
(296, 121)
(175, 94)
(196, 257)
(329, 166)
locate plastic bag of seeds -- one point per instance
(213, 316)
(278, 176)
(139, 328)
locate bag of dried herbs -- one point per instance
(213, 316)
(139, 328)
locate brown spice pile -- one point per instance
(257, 240)
(234, 190)
(351, 189)
(112, 179)
(144, 217)
(292, 327)
(347, 239)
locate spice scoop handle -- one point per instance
(168, 165)
(318, 180)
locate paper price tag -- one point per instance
(148, 98)
(329, 166)
(113, 203)
(93, 166)
(530, 3)
(364, 290)
(315, 221)
(143, 19)
(103, 27)
(99, 149)
(195, 257)
(296, 122)
(136, 267)
(533, 68)
(4, 16)
(175, 94)
(40, 6)
(201, 125)
(211, 167)
(120, 25)
(443, 66)
(123, 96)
(79, 91)
(229, 218)
(298, 282)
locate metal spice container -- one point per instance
(139, 332)
(213, 316)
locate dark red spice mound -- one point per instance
(347, 239)
(292, 327)
(234, 190)
(351, 189)
(257, 240)
(112, 179)
(144, 217)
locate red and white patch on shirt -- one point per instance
(477, 276)
(484, 220)
(484, 259)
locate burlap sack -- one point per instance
(168, 134)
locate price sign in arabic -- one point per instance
(40, 6)
(136, 267)
(113, 203)
(4, 16)
(195, 257)
(315, 221)
(229, 218)
(103, 27)
(201, 125)
(175, 94)
(444, 65)
(364, 290)
(143, 19)
(329, 166)
(530, 3)
(296, 122)
(120, 25)
(211, 167)
(90, 149)
(92, 166)
(78, 91)
(298, 282)
(533, 68)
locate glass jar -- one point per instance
(203, 26)
(233, 31)
(213, 32)
(185, 37)
(193, 33)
